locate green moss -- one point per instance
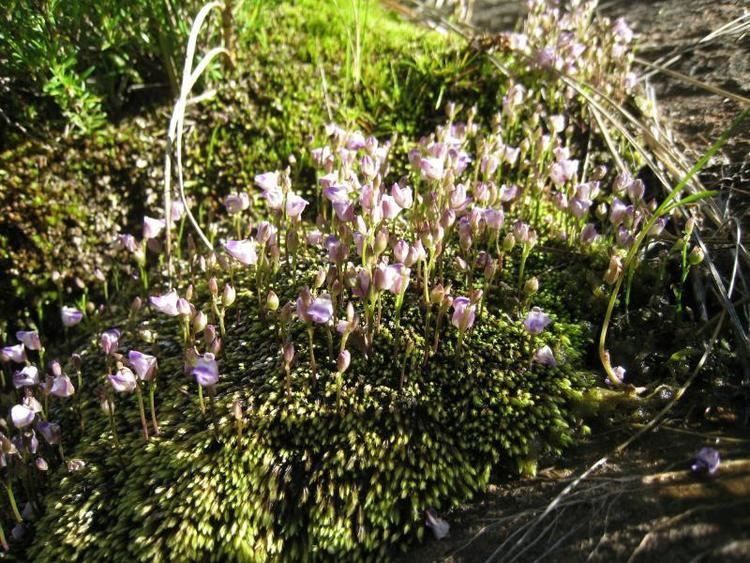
(307, 479)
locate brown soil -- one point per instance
(645, 504)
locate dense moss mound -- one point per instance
(307, 477)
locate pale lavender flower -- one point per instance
(495, 218)
(403, 196)
(127, 242)
(295, 205)
(343, 361)
(389, 207)
(71, 316)
(589, 234)
(268, 181)
(619, 373)
(431, 168)
(206, 370)
(177, 210)
(274, 199)
(489, 164)
(707, 460)
(545, 356)
(62, 387)
(236, 202)
(123, 381)
(579, 207)
(152, 228)
(386, 276)
(50, 432)
(440, 528)
(636, 190)
(521, 232)
(536, 321)
(622, 31)
(336, 194)
(617, 212)
(27, 377)
(22, 416)
(508, 193)
(401, 251)
(166, 303)
(243, 251)
(183, 307)
(110, 340)
(464, 313)
(30, 339)
(319, 311)
(344, 211)
(15, 353)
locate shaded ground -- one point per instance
(644, 505)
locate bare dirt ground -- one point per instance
(644, 504)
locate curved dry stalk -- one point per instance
(190, 76)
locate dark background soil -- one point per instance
(645, 504)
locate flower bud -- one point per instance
(320, 278)
(509, 242)
(343, 361)
(136, 305)
(288, 353)
(437, 294)
(272, 301)
(613, 270)
(696, 256)
(531, 286)
(381, 242)
(213, 286)
(200, 320)
(183, 307)
(229, 296)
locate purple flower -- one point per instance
(177, 211)
(536, 321)
(636, 190)
(545, 356)
(508, 193)
(110, 340)
(143, 364)
(403, 196)
(152, 228)
(123, 381)
(464, 313)
(579, 207)
(13, 354)
(494, 218)
(589, 234)
(319, 311)
(27, 377)
(22, 416)
(71, 316)
(50, 431)
(439, 527)
(166, 303)
(30, 339)
(127, 242)
(386, 276)
(706, 461)
(622, 31)
(295, 205)
(62, 387)
(268, 181)
(243, 251)
(618, 211)
(389, 207)
(619, 373)
(336, 194)
(206, 370)
(183, 307)
(236, 202)
(431, 168)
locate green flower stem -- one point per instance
(154, 422)
(213, 413)
(111, 414)
(3, 540)
(142, 410)
(310, 338)
(200, 399)
(13, 505)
